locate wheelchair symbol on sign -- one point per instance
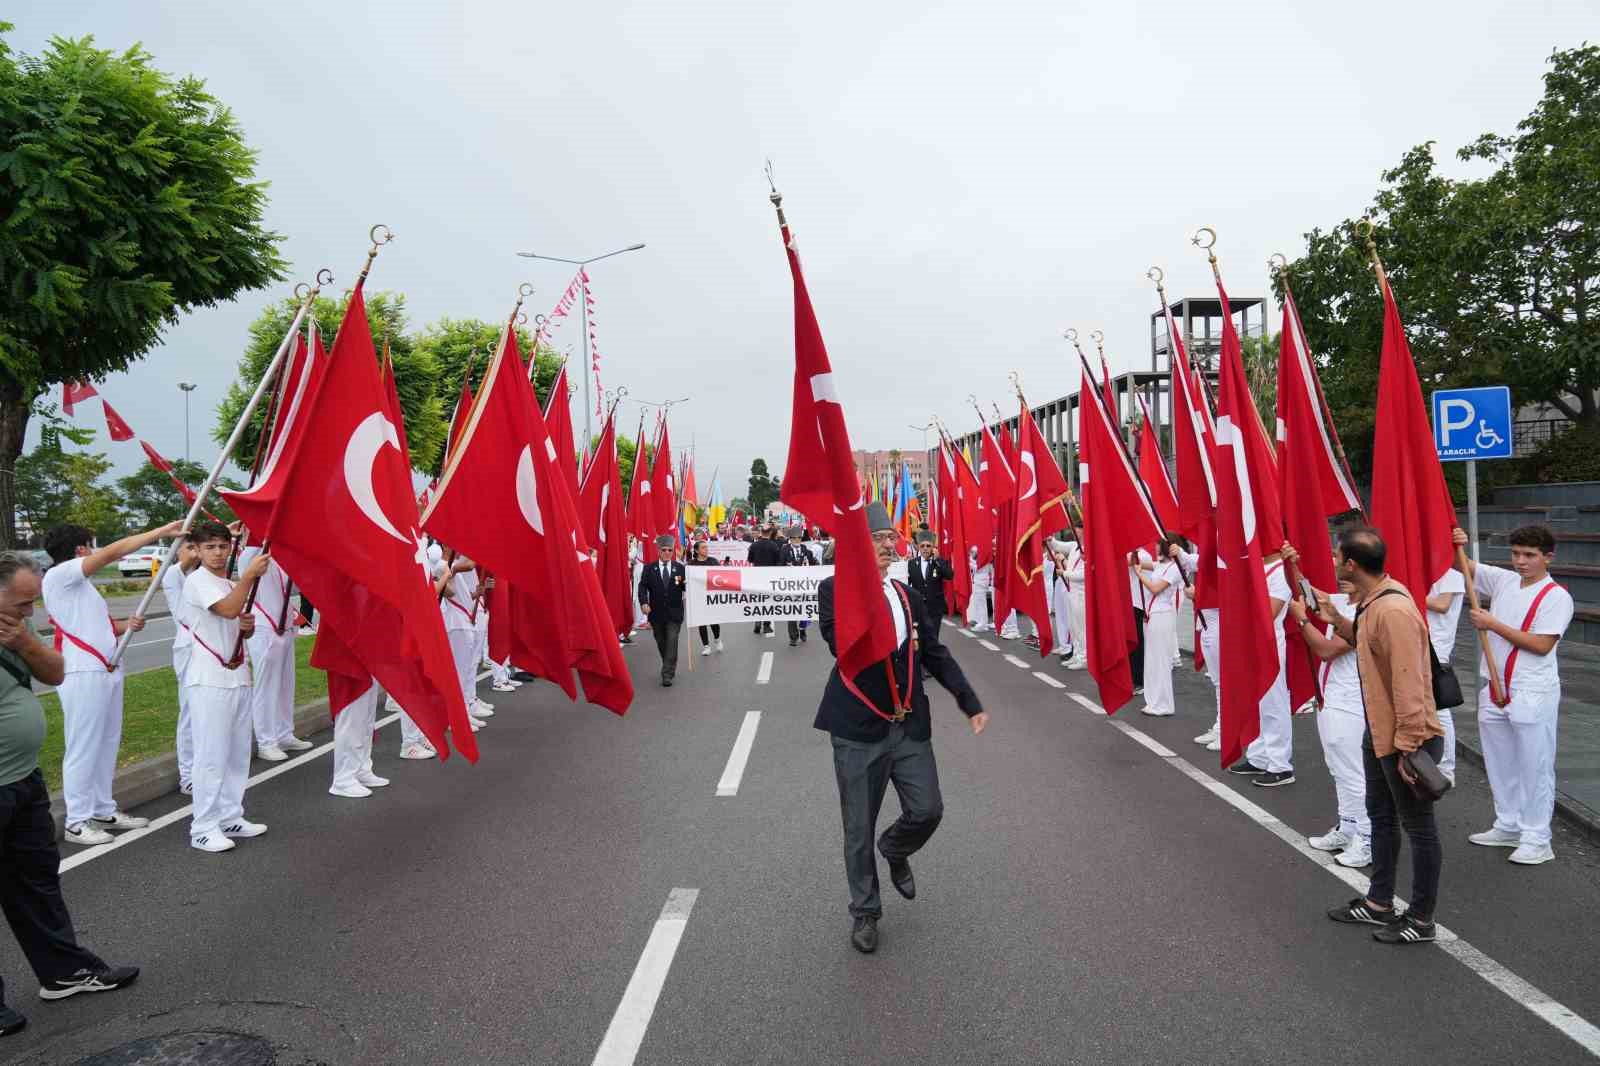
(1487, 437)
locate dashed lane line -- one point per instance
(1047, 679)
(764, 672)
(734, 771)
(626, 1032)
(1089, 705)
(1014, 661)
(991, 647)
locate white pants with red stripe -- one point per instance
(1061, 617)
(978, 606)
(1519, 753)
(1273, 749)
(352, 738)
(1341, 729)
(1447, 759)
(1211, 652)
(220, 721)
(1160, 641)
(180, 664)
(91, 711)
(272, 677)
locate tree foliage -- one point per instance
(56, 487)
(128, 199)
(150, 499)
(763, 489)
(1496, 276)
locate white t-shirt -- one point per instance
(1340, 677)
(1442, 627)
(457, 603)
(215, 637)
(75, 606)
(1278, 589)
(1136, 589)
(172, 579)
(1167, 600)
(271, 593)
(1533, 673)
(896, 611)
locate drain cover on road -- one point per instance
(200, 1048)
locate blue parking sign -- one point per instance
(1472, 423)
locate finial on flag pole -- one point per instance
(1366, 230)
(1016, 383)
(1157, 275)
(1207, 247)
(379, 235)
(1278, 263)
(776, 197)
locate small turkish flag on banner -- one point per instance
(115, 426)
(1040, 507)
(341, 468)
(725, 580)
(74, 393)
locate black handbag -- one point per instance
(1446, 689)
(1427, 781)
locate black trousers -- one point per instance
(864, 772)
(30, 884)
(1136, 656)
(797, 631)
(763, 627)
(666, 634)
(706, 638)
(1391, 804)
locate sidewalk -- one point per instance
(1577, 728)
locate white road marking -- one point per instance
(764, 674)
(1014, 661)
(1145, 739)
(734, 771)
(178, 815)
(1047, 679)
(628, 1024)
(1089, 705)
(991, 647)
(968, 633)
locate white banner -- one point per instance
(719, 595)
(737, 552)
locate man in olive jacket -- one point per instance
(873, 746)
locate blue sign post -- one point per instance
(1468, 425)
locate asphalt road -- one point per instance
(1086, 900)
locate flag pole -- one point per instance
(1496, 690)
(266, 381)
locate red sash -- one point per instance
(227, 664)
(84, 645)
(902, 705)
(1511, 660)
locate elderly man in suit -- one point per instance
(882, 732)
(661, 598)
(928, 573)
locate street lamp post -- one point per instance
(588, 425)
(187, 387)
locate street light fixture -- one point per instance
(187, 387)
(588, 425)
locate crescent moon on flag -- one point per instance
(365, 443)
(605, 495)
(1033, 480)
(528, 491)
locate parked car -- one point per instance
(144, 561)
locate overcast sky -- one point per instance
(964, 179)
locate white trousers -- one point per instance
(91, 712)
(1341, 729)
(1447, 759)
(1009, 627)
(501, 672)
(463, 642)
(1211, 651)
(978, 606)
(352, 738)
(1160, 640)
(410, 733)
(1061, 617)
(638, 608)
(272, 681)
(1078, 620)
(180, 665)
(480, 644)
(1519, 753)
(1273, 749)
(220, 721)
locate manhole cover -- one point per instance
(199, 1048)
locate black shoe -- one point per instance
(524, 676)
(794, 644)
(11, 1021)
(1359, 912)
(1245, 767)
(864, 936)
(1273, 780)
(900, 877)
(85, 980)
(1406, 931)
(666, 682)
(802, 636)
(626, 640)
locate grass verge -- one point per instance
(150, 713)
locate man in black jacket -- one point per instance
(928, 573)
(874, 745)
(661, 596)
(765, 551)
(795, 553)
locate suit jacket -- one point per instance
(665, 599)
(796, 555)
(765, 552)
(931, 588)
(842, 715)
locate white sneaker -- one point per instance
(1215, 745)
(477, 723)
(186, 787)
(416, 751)
(1138, 690)
(1010, 636)
(243, 828)
(371, 780)
(705, 651)
(719, 643)
(294, 744)
(1496, 838)
(1207, 737)
(354, 792)
(1078, 664)
(483, 708)
(212, 842)
(87, 833)
(1155, 712)
(1532, 854)
(1333, 840)
(121, 821)
(270, 754)
(503, 686)
(514, 683)
(1357, 855)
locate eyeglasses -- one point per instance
(884, 536)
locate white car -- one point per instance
(144, 561)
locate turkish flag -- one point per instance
(74, 393)
(1193, 446)
(1153, 472)
(664, 489)
(953, 527)
(605, 527)
(458, 417)
(995, 468)
(1244, 534)
(1411, 505)
(300, 379)
(725, 580)
(641, 511)
(558, 416)
(1117, 520)
(341, 470)
(160, 462)
(115, 426)
(1041, 506)
(820, 480)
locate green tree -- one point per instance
(457, 345)
(55, 487)
(1496, 277)
(152, 500)
(1261, 368)
(625, 457)
(763, 490)
(128, 199)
